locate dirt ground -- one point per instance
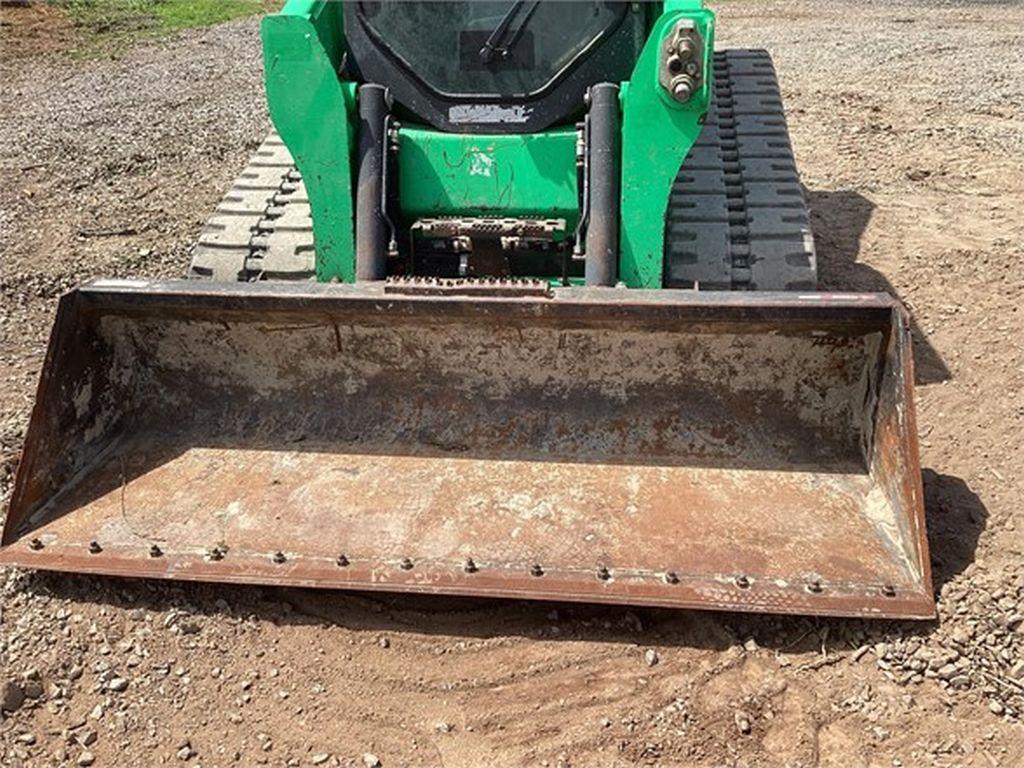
(908, 124)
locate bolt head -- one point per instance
(682, 90)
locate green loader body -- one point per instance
(519, 300)
(455, 174)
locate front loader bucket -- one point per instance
(737, 451)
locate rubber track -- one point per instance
(737, 218)
(262, 229)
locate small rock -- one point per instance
(370, 760)
(97, 712)
(960, 682)
(605, 722)
(188, 628)
(996, 707)
(33, 688)
(383, 642)
(186, 752)
(651, 657)
(443, 728)
(320, 758)
(11, 696)
(742, 722)
(1017, 670)
(87, 737)
(947, 671)
(75, 672)
(86, 759)
(117, 684)
(750, 645)
(26, 738)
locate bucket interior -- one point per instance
(637, 451)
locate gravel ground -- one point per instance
(908, 123)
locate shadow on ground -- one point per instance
(838, 220)
(956, 518)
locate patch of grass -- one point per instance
(184, 14)
(104, 22)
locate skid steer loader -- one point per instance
(519, 300)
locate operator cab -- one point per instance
(492, 67)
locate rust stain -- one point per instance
(674, 449)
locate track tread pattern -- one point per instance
(262, 229)
(737, 219)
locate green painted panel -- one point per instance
(512, 175)
(313, 112)
(657, 134)
(487, 175)
(671, 6)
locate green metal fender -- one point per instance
(657, 133)
(313, 111)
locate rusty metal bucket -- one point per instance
(738, 451)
